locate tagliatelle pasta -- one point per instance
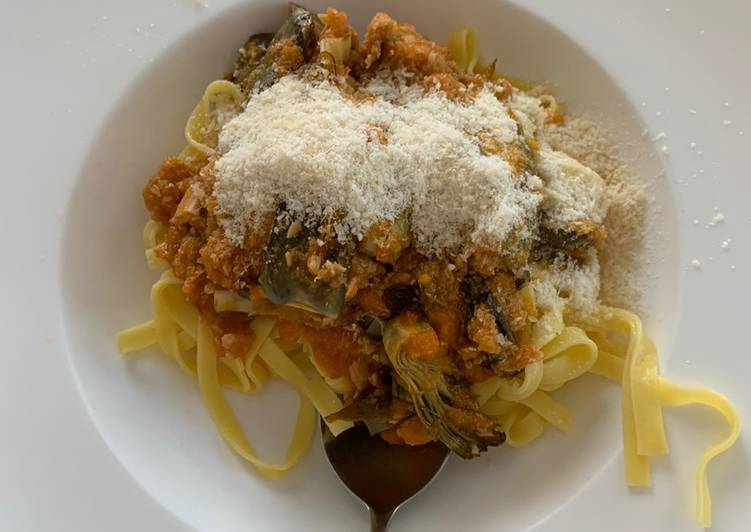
(645, 393)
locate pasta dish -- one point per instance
(385, 224)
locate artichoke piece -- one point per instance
(398, 389)
(293, 285)
(302, 26)
(339, 48)
(251, 55)
(373, 326)
(386, 240)
(476, 290)
(464, 429)
(379, 413)
(301, 29)
(500, 317)
(572, 241)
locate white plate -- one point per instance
(98, 93)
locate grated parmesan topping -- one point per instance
(573, 192)
(568, 284)
(623, 254)
(528, 112)
(307, 145)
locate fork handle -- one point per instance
(379, 522)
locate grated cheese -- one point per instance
(568, 284)
(308, 145)
(528, 112)
(573, 192)
(622, 255)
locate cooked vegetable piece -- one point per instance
(292, 45)
(414, 351)
(386, 240)
(373, 326)
(383, 409)
(500, 317)
(250, 55)
(572, 240)
(302, 26)
(292, 284)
